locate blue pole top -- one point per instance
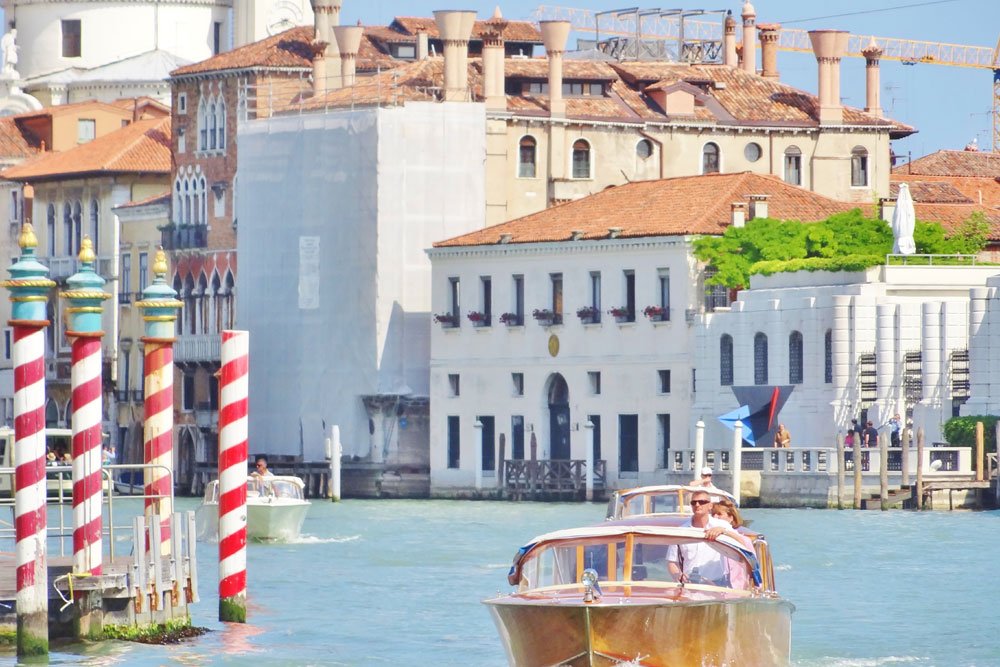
(29, 283)
(159, 302)
(85, 295)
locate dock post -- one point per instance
(234, 388)
(856, 458)
(736, 460)
(979, 451)
(905, 444)
(840, 470)
(500, 459)
(478, 458)
(159, 310)
(883, 471)
(29, 287)
(699, 448)
(589, 459)
(920, 468)
(335, 461)
(84, 306)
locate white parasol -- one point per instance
(902, 222)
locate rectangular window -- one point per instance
(595, 382)
(694, 380)
(664, 377)
(486, 285)
(213, 391)
(453, 442)
(182, 103)
(125, 380)
(595, 295)
(453, 387)
(489, 443)
(217, 38)
(793, 169)
(597, 89)
(663, 441)
(519, 299)
(538, 88)
(859, 171)
(125, 286)
(71, 38)
(143, 270)
(518, 381)
(14, 215)
(630, 295)
(86, 130)
(406, 51)
(517, 437)
(716, 296)
(454, 288)
(8, 343)
(663, 276)
(187, 392)
(596, 421)
(557, 297)
(628, 443)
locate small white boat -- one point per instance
(276, 508)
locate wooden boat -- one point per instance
(276, 508)
(661, 499)
(603, 595)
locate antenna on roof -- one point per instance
(433, 50)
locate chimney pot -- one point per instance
(828, 47)
(738, 211)
(729, 41)
(872, 53)
(506, 238)
(749, 38)
(758, 206)
(493, 63)
(554, 35)
(422, 49)
(455, 28)
(348, 41)
(769, 33)
(613, 232)
(576, 234)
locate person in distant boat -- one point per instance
(782, 438)
(871, 436)
(262, 470)
(697, 562)
(704, 480)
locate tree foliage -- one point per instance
(961, 431)
(843, 242)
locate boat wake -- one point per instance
(312, 539)
(863, 662)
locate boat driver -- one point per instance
(261, 466)
(698, 562)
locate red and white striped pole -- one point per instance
(234, 390)
(84, 327)
(29, 294)
(159, 305)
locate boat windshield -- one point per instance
(660, 500)
(708, 562)
(273, 488)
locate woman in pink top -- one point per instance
(725, 510)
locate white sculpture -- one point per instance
(8, 48)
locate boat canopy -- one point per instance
(662, 499)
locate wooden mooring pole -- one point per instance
(980, 438)
(856, 458)
(840, 471)
(920, 468)
(883, 471)
(905, 443)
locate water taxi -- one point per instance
(605, 595)
(659, 499)
(276, 508)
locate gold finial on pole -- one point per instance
(160, 262)
(86, 251)
(27, 238)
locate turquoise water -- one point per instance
(399, 582)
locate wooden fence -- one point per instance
(561, 479)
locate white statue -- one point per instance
(8, 48)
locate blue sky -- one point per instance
(948, 105)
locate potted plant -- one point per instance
(656, 313)
(587, 314)
(510, 319)
(621, 314)
(478, 319)
(446, 320)
(544, 316)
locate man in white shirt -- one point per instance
(698, 562)
(262, 470)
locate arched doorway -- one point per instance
(558, 418)
(185, 460)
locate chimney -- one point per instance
(319, 44)
(554, 34)
(729, 41)
(493, 63)
(887, 208)
(738, 213)
(348, 41)
(758, 206)
(769, 33)
(455, 28)
(421, 44)
(872, 52)
(332, 64)
(749, 38)
(135, 109)
(829, 47)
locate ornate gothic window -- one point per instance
(760, 359)
(795, 358)
(726, 360)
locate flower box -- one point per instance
(511, 320)
(544, 316)
(656, 313)
(588, 314)
(621, 314)
(478, 319)
(446, 320)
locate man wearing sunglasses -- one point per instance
(698, 562)
(261, 470)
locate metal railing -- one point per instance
(926, 259)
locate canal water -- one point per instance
(396, 582)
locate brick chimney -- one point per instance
(749, 38)
(348, 41)
(729, 41)
(493, 63)
(455, 28)
(829, 47)
(555, 34)
(769, 33)
(872, 53)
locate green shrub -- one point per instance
(961, 431)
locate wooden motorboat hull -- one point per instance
(271, 520)
(652, 633)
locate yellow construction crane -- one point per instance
(678, 25)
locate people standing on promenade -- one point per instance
(782, 438)
(859, 432)
(895, 424)
(849, 438)
(871, 436)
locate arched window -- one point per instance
(213, 127)
(178, 287)
(222, 124)
(95, 220)
(178, 203)
(581, 159)
(760, 359)
(795, 358)
(859, 167)
(50, 229)
(190, 306)
(726, 360)
(68, 229)
(227, 306)
(526, 157)
(828, 357)
(187, 203)
(710, 158)
(77, 226)
(204, 201)
(202, 125)
(51, 413)
(217, 300)
(644, 149)
(793, 165)
(203, 303)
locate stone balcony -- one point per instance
(198, 348)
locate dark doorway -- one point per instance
(489, 448)
(558, 418)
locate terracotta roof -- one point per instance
(63, 109)
(516, 31)
(289, 49)
(420, 80)
(162, 198)
(928, 192)
(16, 142)
(954, 163)
(952, 215)
(538, 68)
(144, 102)
(142, 147)
(668, 207)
